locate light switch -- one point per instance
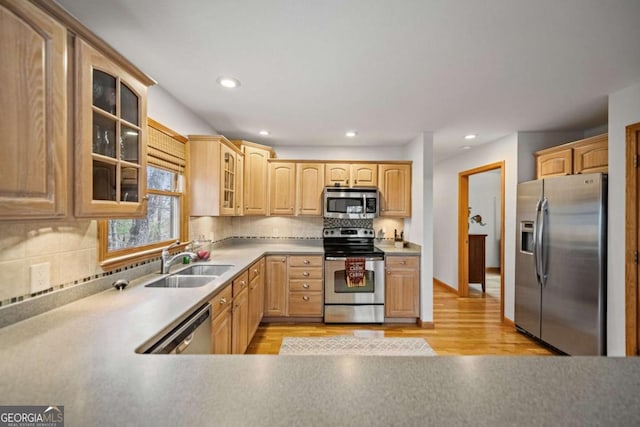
(40, 277)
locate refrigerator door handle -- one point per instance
(540, 242)
(536, 255)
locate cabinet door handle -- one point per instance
(306, 298)
(223, 301)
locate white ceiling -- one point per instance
(310, 70)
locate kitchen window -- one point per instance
(123, 241)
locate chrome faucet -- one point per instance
(166, 260)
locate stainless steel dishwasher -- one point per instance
(193, 336)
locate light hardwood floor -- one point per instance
(463, 326)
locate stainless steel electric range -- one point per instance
(353, 276)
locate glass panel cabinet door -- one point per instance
(111, 144)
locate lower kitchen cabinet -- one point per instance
(256, 295)
(275, 298)
(305, 286)
(240, 314)
(402, 286)
(221, 329)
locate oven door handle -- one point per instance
(375, 258)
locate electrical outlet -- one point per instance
(40, 277)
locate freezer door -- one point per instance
(527, 291)
(574, 248)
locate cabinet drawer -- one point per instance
(305, 285)
(305, 273)
(305, 261)
(240, 283)
(221, 301)
(256, 270)
(305, 303)
(402, 261)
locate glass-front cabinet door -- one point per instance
(110, 138)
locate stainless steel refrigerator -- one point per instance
(561, 262)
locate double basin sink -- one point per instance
(191, 277)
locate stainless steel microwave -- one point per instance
(352, 203)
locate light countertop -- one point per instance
(82, 355)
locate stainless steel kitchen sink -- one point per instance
(180, 281)
(205, 270)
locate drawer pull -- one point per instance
(403, 262)
(243, 283)
(306, 298)
(305, 274)
(306, 286)
(223, 301)
(255, 270)
(306, 261)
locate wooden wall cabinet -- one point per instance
(394, 182)
(309, 186)
(221, 326)
(33, 123)
(305, 298)
(110, 146)
(584, 156)
(477, 259)
(240, 314)
(282, 188)
(275, 299)
(351, 174)
(256, 175)
(214, 176)
(402, 286)
(256, 295)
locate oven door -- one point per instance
(336, 290)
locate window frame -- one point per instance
(113, 259)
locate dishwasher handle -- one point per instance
(181, 337)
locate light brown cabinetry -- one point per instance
(351, 174)
(110, 146)
(240, 314)
(402, 286)
(394, 182)
(256, 175)
(221, 326)
(309, 186)
(256, 295)
(213, 180)
(583, 156)
(305, 286)
(33, 123)
(282, 188)
(275, 299)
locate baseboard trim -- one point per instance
(444, 285)
(508, 322)
(268, 320)
(425, 325)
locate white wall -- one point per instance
(164, 108)
(484, 199)
(530, 142)
(445, 210)
(419, 228)
(624, 109)
(340, 153)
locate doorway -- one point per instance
(632, 290)
(467, 216)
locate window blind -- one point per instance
(165, 152)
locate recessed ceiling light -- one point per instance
(350, 134)
(228, 82)
(470, 136)
(466, 147)
(264, 132)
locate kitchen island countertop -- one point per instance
(83, 356)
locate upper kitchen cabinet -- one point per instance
(110, 147)
(394, 182)
(214, 181)
(33, 123)
(584, 156)
(309, 186)
(282, 187)
(255, 177)
(351, 174)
